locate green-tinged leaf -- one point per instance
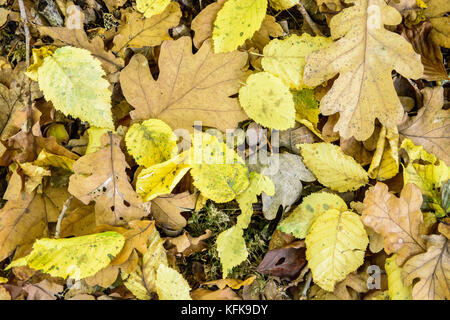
(170, 284)
(77, 258)
(72, 79)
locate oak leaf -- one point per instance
(432, 268)
(190, 87)
(151, 7)
(167, 209)
(437, 12)
(364, 54)
(399, 220)
(430, 128)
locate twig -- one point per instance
(61, 216)
(307, 285)
(23, 15)
(300, 7)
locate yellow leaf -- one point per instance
(170, 284)
(268, 101)
(236, 22)
(95, 139)
(72, 79)
(432, 268)
(282, 4)
(397, 291)
(298, 223)
(151, 142)
(142, 281)
(77, 258)
(399, 220)
(364, 55)
(3, 280)
(161, 178)
(385, 161)
(198, 90)
(46, 159)
(218, 172)
(35, 174)
(231, 249)
(151, 7)
(335, 246)
(286, 58)
(306, 107)
(38, 59)
(332, 167)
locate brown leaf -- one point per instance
(235, 284)
(136, 31)
(78, 38)
(189, 87)
(101, 177)
(431, 56)
(431, 127)
(432, 268)
(285, 262)
(25, 219)
(221, 294)
(44, 290)
(187, 245)
(79, 220)
(167, 209)
(353, 281)
(356, 149)
(399, 220)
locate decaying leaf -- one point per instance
(432, 268)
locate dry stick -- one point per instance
(23, 15)
(61, 216)
(300, 7)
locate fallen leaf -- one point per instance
(430, 128)
(167, 209)
(397, 291)
(44, 290)
(432, 268)
(198, 89)
(335, 247)
(399, 220)
(364, 89)
(101, 177)
(332, 167)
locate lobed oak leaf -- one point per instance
(190, 87)
(432, 268)
(101, 177)
(167, 209)
(399, 220)
(364, 56)
(430, 128)
(73, 81)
